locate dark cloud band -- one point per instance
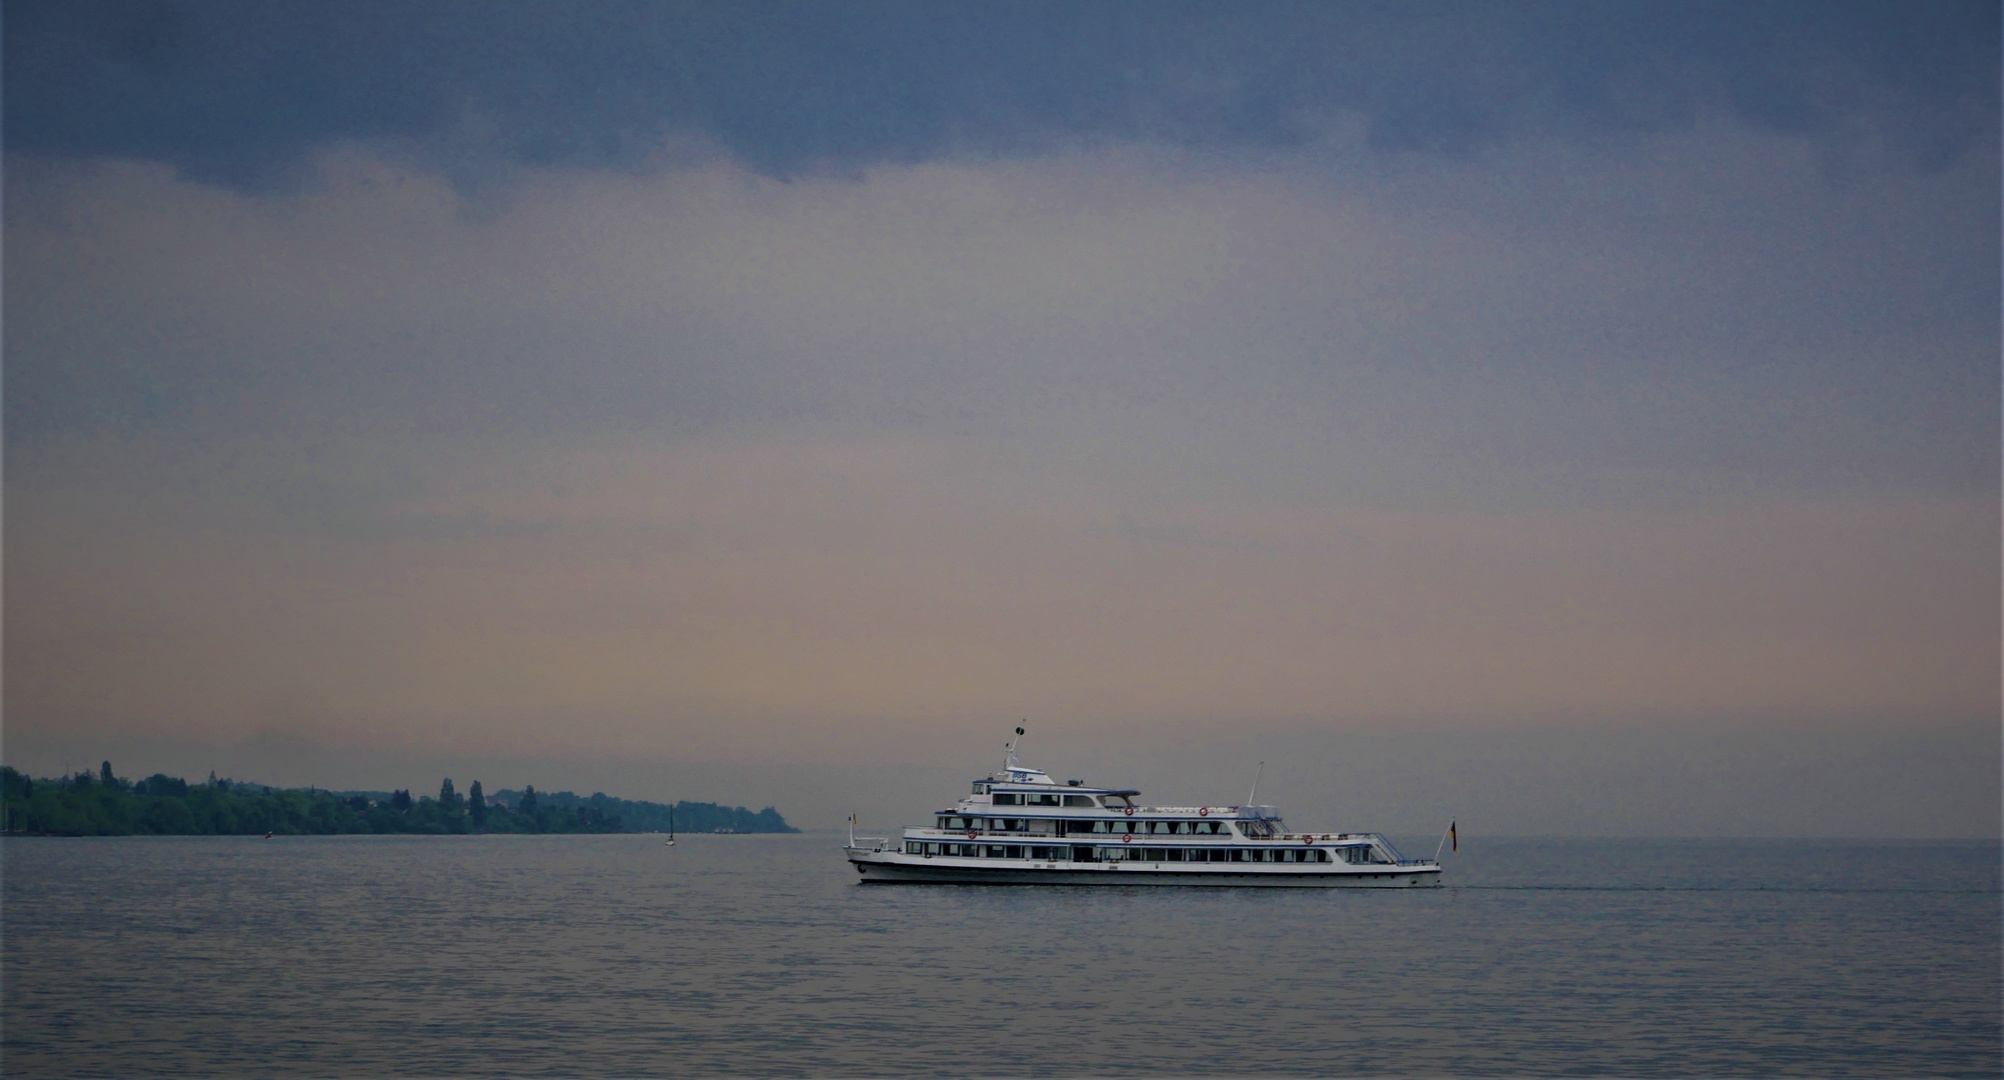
(237, 93)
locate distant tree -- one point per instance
(476, 804)
(160, 785)
(104, 775)
(400, 800)
(448, 799)
(527, 803)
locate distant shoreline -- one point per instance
(680, 836)
(104, 804)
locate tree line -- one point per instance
(104, 804)
(691, 817)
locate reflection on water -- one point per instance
(760, 955)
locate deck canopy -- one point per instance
(1016, 774)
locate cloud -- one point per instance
(1716, 310)
(242, 94)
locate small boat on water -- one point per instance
(1018, 826)
(671, 828)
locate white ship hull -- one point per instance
(893, 868)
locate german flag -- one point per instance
(1452, 839)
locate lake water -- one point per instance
(759, 955)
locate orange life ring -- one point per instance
(1307, 839)
(1130, 811)
(971, 834)
(1203, 811)
(1127, 838)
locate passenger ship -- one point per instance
(1020, 827)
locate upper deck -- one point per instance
(1033, 794)
(1018, 802)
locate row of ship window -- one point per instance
(1138, 854)
(1075, 828)
(1034, 798)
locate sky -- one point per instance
(1563, 418)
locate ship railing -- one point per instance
(874, 843)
